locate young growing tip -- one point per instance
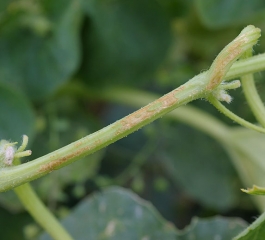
(243, 42)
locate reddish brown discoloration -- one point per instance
(49, 167)
(128, 122)
(146, 112)
(77, 144)
(220, 64)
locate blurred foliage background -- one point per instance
(56, 56)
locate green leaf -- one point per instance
(225, 13)
(48, 50)
(61, 122)
(192, 168)
(256, 231)
(17, 221)
(246, 148)
(17, 117)
(125, 41)
(213, 228)
(65, 121)
(116, 214)
(255, 190)
(10, 202)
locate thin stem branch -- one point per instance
(246, 66)
(254, 101)
(35, 206)
(233, 116)
(40, 213)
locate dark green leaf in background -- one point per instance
(121, 42)
(247, 153)
(200, 166)
(256, 231)
(216, 228)
(39, 44)
(224, 13)
(12, 225)
(65, 121)
(116, 213)
(16, 117)
(61, 122)
(125, 41)
(176, 8)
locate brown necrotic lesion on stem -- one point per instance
(246, 39)
(149, 111)
(221, 64)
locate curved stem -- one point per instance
(252, 96)
(222, 63)
(40, 213)
(233, 116)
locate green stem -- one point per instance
(242, 67)
(246, 66)
(189, 115)
(233, 116)
(252, 96)
(15, 175)
(198, 87)
(222, 63)
(40, 213)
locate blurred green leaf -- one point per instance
(247, 152)
(256, 231)
(200, 166)
(117, 213)
(215, 228)
(65, 121)
(225, 13)
(176, 8)
(125, 41)
(41, 50)
(17, 117)
(12, 225)
(10, 202)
